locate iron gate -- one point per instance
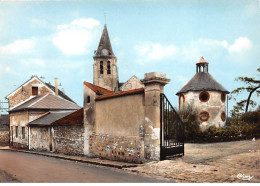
(171, 130)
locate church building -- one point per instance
(206, 95)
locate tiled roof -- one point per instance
(50, 117)
(97, 89)
(49, 85)
(202, 81)
(47, 102)
(118, 94)
(76, 117)
(60, 93)
(202, 60)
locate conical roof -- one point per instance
(202, 81)
(202, 60)
(104, 48)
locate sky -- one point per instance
(58, 38)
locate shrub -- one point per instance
(241, 127)
(189, 116)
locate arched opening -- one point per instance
(101, 67)
(108, 67)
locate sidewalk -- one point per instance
(83, 159)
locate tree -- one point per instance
(189, 116)
(252, 86)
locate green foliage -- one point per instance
(240, 127)
(189, 116)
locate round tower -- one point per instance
(206, 95)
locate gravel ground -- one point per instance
(209, 163)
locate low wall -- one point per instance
(39, 138)
(4, 137)
(119, 148)
(68, 139)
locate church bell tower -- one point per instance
(105, 67)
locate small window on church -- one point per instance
(88, 99)
(223, 116)
(34, 91)
(223, 97)
(204, 116)
(101, 67)
(108, 68)
(204, 96)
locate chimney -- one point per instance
(56, 86)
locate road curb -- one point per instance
(97, 162)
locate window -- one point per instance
(34, 91)
(204, 116)
(11, 132)
(16, 131)
(223, 97)
(23, 132)
(181, 100)
(204, 96)
(223, 116)
(101, 67)
(108, 68)
(88, 99)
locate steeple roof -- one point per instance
(104, 48)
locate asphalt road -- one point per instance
(30, 168)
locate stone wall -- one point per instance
(214, 106)
(24, 92)
(105, 80)
(119, 148)
(132, 83)
(20, 119)
(4, 137)
(68, 139)
(40, 138)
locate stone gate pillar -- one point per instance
(154, 84)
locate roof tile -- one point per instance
(98, 89)
(118, 94)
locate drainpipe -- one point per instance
(29, 131)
